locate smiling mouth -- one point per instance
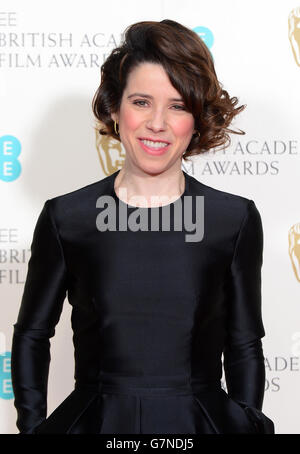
(155, 145)
(154, 148)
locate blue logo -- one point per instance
(6, 391)
(205, 34)
(10, 167)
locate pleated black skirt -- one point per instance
(119, 406)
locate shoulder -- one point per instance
(197, 187)
(80, 201)
(222, 204)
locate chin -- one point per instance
(157, 166)
(153, 169)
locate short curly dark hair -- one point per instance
(190, 68)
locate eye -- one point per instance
(137, 102)
(180, 107)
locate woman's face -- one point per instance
(151, 108)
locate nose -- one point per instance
(156, 121)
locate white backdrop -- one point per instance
(50, 58)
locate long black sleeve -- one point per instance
(41, 307)
(243, 354)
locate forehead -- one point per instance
(150, 76)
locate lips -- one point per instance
(154, 140)
(154, 151)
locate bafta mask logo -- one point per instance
(294, 33)
(294, 249)
(111, 153)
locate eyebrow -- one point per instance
(151, 97)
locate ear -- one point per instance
(114, 116)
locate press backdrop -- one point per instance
(50, 58)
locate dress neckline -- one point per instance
(121, 202)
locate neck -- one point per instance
(166, 186)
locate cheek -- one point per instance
(184, 127)
(130, 120)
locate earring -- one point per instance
(198, 133)
(115, 127)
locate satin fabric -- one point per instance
(152, 315)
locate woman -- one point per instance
(152, 312)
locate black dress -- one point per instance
(152, 314)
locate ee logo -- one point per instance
(10, 167)
(6, 391)
(205, 34)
